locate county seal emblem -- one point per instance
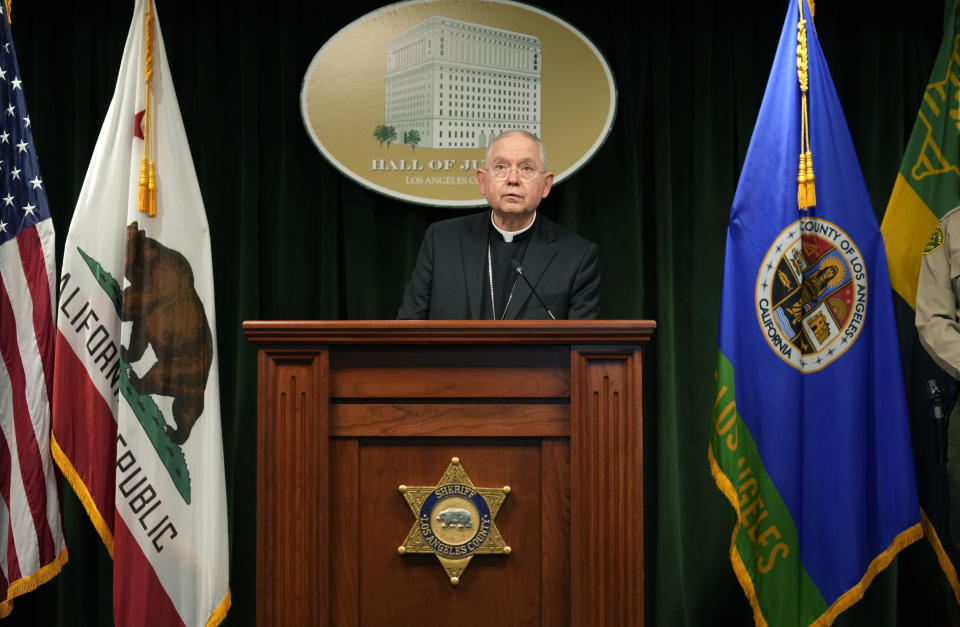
(454, 520)
(811, 294)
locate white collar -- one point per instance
(509, 235)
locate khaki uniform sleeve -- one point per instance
(936, 317)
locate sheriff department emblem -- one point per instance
(454, 520)
(936, 241)
(811, 294)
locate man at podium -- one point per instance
(508, 262)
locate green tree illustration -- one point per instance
(384, 133)
(412, 138)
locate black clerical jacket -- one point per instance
(449, 280)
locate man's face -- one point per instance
(514, 199)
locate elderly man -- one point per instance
(467, 267)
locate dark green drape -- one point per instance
(293, 239)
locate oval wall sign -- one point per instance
(405, 100)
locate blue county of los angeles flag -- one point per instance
(32, 547)
(136, 415)
(810, 439)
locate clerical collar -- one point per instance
(509, 235)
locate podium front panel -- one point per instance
(349, 411)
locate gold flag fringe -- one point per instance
(8, 5)
(847, 599)
(220, 612)
(739, 568)
(902, 540)
(148, 184)
(80, 489)
(34, 581)
(930, 533)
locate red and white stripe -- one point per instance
(32, 546)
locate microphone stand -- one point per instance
(516, 266)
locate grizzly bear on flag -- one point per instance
(168, 315)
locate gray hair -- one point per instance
(522, 133)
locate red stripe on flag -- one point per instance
(35, 270)
(28, 451)
(13, 564)
(138, 596)
(85, 429)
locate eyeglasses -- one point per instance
(501, 171)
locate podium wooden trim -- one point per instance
(335, 397)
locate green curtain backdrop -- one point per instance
(293, 239)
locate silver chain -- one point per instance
(493, 305)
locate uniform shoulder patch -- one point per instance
(936, 240)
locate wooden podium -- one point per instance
(348, 411)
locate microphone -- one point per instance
(935, 394)
(516, 266)
(938, 395)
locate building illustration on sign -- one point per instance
(457, 84)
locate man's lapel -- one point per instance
(473, 249)
(540, 252)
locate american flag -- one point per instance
(32, 547)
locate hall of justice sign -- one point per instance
(405, 99)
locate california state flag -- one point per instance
(136, 413)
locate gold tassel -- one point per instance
(152, 193)
(142, 204)
(801, 183)
(9, 6)
(811, 190)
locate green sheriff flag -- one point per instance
(927, 187)
(928, 184)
